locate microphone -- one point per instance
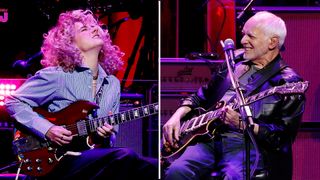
(116, 24)
(24, 63)
(202, 55)
(229, 49)
(20, 63)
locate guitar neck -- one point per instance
(203, 119)
(289, 88)
(89, 126)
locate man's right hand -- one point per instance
(171, 129)
(59, 135)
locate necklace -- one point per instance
(95, 77)
(94, 86)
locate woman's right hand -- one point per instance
(59, 135)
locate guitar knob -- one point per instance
(167, 150)
(27, 161)
(38, 161)
(29, 168)
(50, 161)
(39, 169)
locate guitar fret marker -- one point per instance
(123, 117)
(190, 123)
(135, 113)
(196, 124)
(95, 124)
(112, 120)
(207, 115)
(146, 111)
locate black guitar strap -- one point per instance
(105, 142)
(98, 96)
(260, 77)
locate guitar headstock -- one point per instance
(292, 88)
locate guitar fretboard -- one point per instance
(91, 125)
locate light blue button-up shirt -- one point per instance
(57, 89)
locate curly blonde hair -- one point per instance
(58, 48)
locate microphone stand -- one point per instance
(244, 10)
(246, 114)
(25, 63)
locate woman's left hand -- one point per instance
(105, 131)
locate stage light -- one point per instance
(7, 87)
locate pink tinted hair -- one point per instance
(58, 48)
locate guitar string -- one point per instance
(152, 110)
(90, 122)
(216, 113)
(235, 105)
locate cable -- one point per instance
(223, 22)
(255, 164)
(18, 171)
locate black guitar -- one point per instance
(204, 126)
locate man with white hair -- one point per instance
(276, 117)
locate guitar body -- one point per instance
(38, 156)
(39, 162)
(202, 133)
(74, 112)
(206, 125)
(44, 156)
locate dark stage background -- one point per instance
(197, 26)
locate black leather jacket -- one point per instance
(278, 116)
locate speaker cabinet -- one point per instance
(130, 133)
(183, 75)
(169, 104)
(6, 153)
(306, 156)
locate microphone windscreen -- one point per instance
(229, 44)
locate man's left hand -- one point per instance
(231, 117)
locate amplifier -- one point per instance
(130, 133)
(183, 75)
(169, 104)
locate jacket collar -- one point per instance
(265, 73)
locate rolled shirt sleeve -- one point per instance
(35, 92)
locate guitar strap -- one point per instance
(264, 75)
(98, 96)
(106, 142)
(260, 77)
